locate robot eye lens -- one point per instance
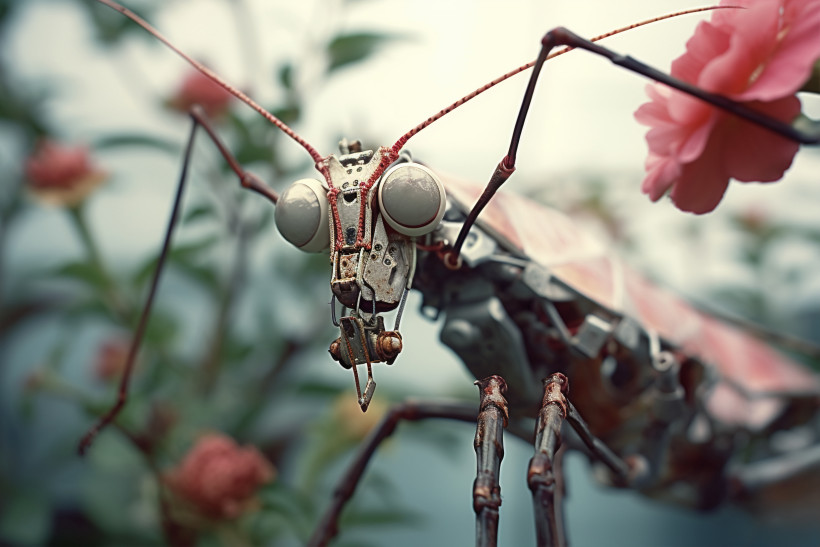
(412, 199)
(301, 215)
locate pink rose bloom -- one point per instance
(197, 88)
(219, 477)
(61, 175)
(760, 55)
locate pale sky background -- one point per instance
(580, 125)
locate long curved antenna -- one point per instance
(446, 110)
(317, 158)
(563, 37)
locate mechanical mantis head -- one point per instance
(369, 221)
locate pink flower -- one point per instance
(197, 88)
(219, 477)
(759, 54)
(61, 175)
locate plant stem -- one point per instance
(115, 302)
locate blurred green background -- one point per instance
(238, 339)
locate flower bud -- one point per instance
(219, 477)
(61, 175)
(198, 89)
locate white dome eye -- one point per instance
(301, 215)
(412, 199)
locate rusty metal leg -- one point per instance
(544, 476)
(328, 526)
(489, 449)
(541, 476)
(560, 492)
(623, 473)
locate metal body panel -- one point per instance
(758, 379)
(536, 295)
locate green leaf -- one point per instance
(6, 7)
(253, 151)
(280, 497)
(144, 272)
(235, 351)
(199, 213)
(181, 256)
(112, 26)
(94, 305)
(285, 76)
(352, 48)
(130, 140)
(253, 140)
(289, 114)
(84, 272)
(184, 257)
(22, 105)
(162, 328)
(203, 275)
(292, 507)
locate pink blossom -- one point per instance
(219, 477)
(197, 88)
(60, 174)
(760, 54)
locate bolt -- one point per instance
(335, 351)
(388, 345)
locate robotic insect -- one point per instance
(528, 296)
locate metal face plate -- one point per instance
(372, 264)
(387, 265)
(347, 175)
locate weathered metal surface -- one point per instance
(489, 447)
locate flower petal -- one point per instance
(791, 64)
(661, 174)
(754, 154)
(702, 183)
(759, 54)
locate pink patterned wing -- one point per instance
(754, 376)
(552, 239)
(547, 236)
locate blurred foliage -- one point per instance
(111, 27)
(353, 48)
(234, 372)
